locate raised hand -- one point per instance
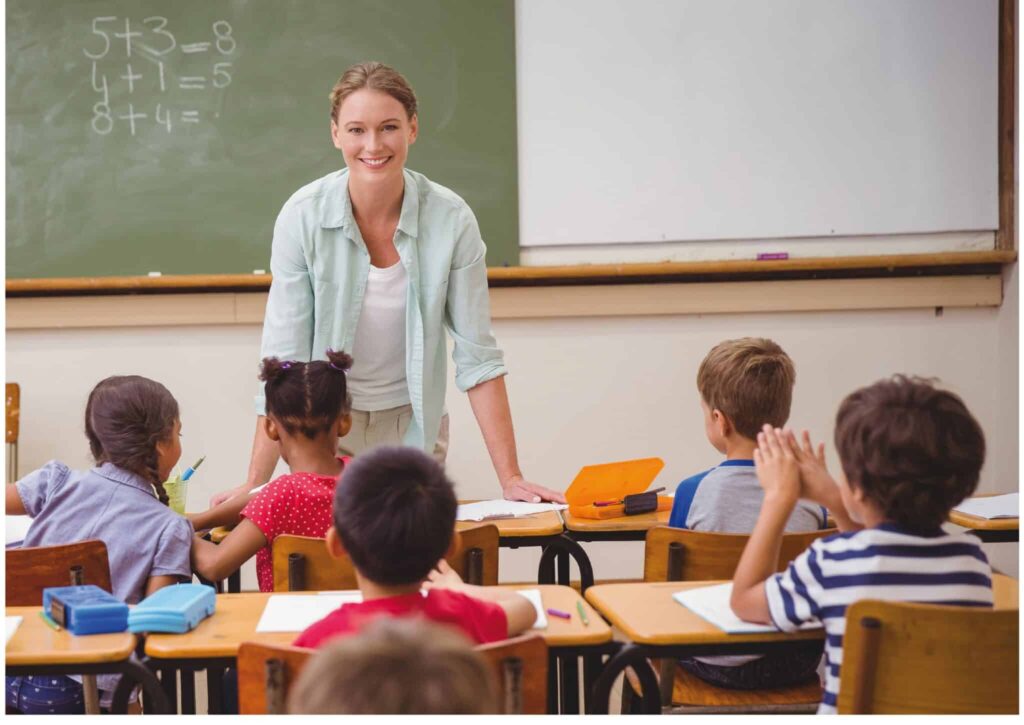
(776, 465)
(816, 483)
(443, 576)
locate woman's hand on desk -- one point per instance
(219, 498)
(518, 488)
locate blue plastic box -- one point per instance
(176, 609)
(85, 609)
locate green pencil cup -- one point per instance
(176, 493)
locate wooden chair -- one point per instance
(266, 674)
(13, 418)
(521, 667)
(32, 569)
(672, 554)
(301, 563)
(922, 658)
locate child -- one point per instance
(743, 384)
(415, 667)
(134, 433)
(307, 411)
(394, 516)
(909, 452)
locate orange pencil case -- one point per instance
(612, 482)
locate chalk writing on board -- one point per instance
(131, 96)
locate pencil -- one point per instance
(49, 621)
(583, 614)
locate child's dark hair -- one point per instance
(394, 510)
(307, 397)
(126, 416)
(913, 449)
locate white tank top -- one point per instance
(377, 378)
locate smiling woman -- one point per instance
(378, 260)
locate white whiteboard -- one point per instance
(679, 120)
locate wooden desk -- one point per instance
(658, 626)
(546, 523)
(37, 649)
(988, 530)
(621, 528)
(213, 645)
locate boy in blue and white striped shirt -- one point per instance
(909, 452)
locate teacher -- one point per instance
(377, 260)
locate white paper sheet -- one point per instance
(16, 528)
(538, 604)
(1006, 506)
(12, 626)
(712, 604)
(502, 509)
(295, 612)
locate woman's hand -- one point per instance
(777, 467)
(518, 488)
(219, 498)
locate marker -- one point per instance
(768, 256)
(583, 614)
(192, 469)
(49, 622)
(559, 613)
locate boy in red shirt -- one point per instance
(394, 517)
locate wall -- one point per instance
(584, 390)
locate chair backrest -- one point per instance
(13, 411)
(266, 673)
(521, 668)
(921, 658)
(32, 569)
(682, 555)
(304, 564)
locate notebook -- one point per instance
(295, 612)
(1006, 506)
(501, 509)
(12, 626)
(712, 603)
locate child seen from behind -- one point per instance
(308, 409)
(133, 430)
(394, 517)
(910, 452)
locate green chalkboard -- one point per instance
(164, 135)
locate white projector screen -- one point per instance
(683, 120)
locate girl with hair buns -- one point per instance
(134, 433)
(308, 410)
(380, 260)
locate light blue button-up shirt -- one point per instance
(320, 265)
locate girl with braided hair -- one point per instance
(133, 430)
(308, 410)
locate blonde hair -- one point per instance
(750, 380)
(378, 77)
(401, 666)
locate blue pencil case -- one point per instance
(176, 609)
(85, 609)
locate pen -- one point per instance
(192, 469)
(583, 614)
(49, 621)
(559, 613)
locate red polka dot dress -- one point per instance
(297, 503)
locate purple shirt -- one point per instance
(144, 538)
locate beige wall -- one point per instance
(584, 389)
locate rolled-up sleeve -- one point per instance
(476, 353)
(37, 487)
(172, 551)
(288, 322)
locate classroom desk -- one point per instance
(658, 626)
(546, 530)
(991, 531)
(36, 649)
(213, 645)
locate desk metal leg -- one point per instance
(215, 690)
(555, 551)
(552, 684)
(235, 582)
(188, 692)
(570, 685)
(591, 670)
(169, 684)
(629, 656)
(563, 569)
(153, 697)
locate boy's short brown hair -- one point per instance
(913, 449)
(750, 380)
(397, 666)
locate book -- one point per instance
(501, 509)
(712, 603)
(1006, 506)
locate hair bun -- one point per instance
(271, 369)
(339, 360)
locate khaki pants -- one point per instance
(386, 428)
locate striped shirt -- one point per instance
(881, 563)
